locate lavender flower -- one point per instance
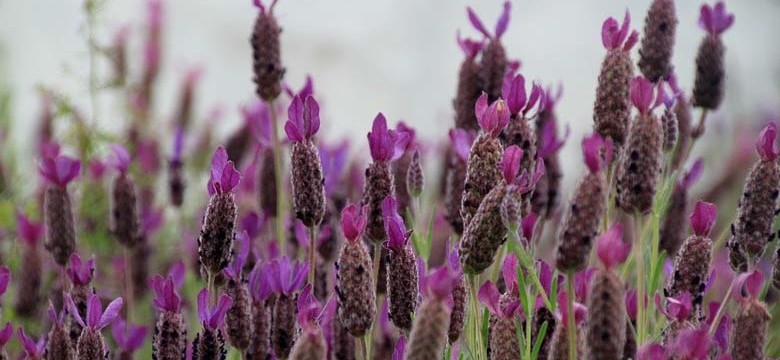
(209, 343)
(124, 211)
(611, 111)
(429, 332)
(469, 85)
(503, 331)
(307, 179)
(311, 343)
(58, 172)
(401, 168)
(493, 64)
(678, 311)
(355, 286)
(91, 345)
(216, 235)
(239, 317)
(267, 62)
(460, 142)
(80, 278)
(655, 54)
(58, 344)
(402, 279)
(34, 350)
(710, 72)
(285, 278)
(29, 298)
(129, 338)
(170, 332)
(520, 103)
(262, 304)
(749, 333)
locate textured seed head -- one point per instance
(429, 333)
(378, 186)
(612, 109)
(216, 235)
(492, 68)
(209, 344)
(581, 223)
(170, 337)
(756, 208)
(58, 343)
(467, 92)
(415, 181)
(458, 314)
(124, 211)
(307, 181)
(655, 53)
(691, 269)
(91, 345)
(239, 317)
(267, 62)
(484, 234)
(355, 288)
(283, 325)
(749, 331)
(640, 164)
(710, 79)
(482, 174)
(402, 287)
(60, 229)
(670, 129)
(606, 323)
(503, 339)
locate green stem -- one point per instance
(494, 273)
(570, 316)
(528, 321)
(377, 264)
(366, 345)
(279, 219)
(640, 287)
(476, 328)
(312, 254)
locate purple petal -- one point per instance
(111, 313)
(527, 225)
(400, 348)
(452, 259)
(642, 94)
(545, 274)
(439, 283)
(461, 141)
(394, 224)
(28, 343)
(693, 174)
(621, 35)
(6, 334)
(469, 47)
(691, 344)
(60, 170)
(608, 30)
(136, 338)
(381, 140)
(177, 273)
(218, 163)
(509, 270)
(489, 296)
(631, 304)
(591, 148)
(503, 21)
(299, 276)
(747, 286)
(680, 307)
(481, 106)
(510, 164)
(651, 351)
(353, 222)
(203, 306)
(495, 118)
(510, 309)
(767, 143)
(73, 310)
(612, 250)
(311, 117)
(121, 158)
(582, 284)
(476, 22)
(514, 93)
(242, 245)
(294, 127)
(632, 40)
(230, 178)
(94, 311)
(703, 218)
(218, 314)
(30, 232)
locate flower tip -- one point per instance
(510, 164)
(121, 158)
(703, 218)
(612, 250)
(766, 146)
(591, 148)
(642, 94)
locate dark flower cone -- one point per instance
(776, 269)
(140, 256)
(612, 109)
(640, 164)
(482, 174)
(79, 294)
(492, 69)
(58, 344)
(266, 183)
(466, 95)
(310, 346)
(484, 235)
(266, 55)
(239, 317)
(453, 196)
(629, 348)
(170, 337)
(691, 268)
(283, 326)
(606, 319)
(91, 346)
(379, 185)
(581, 223)
(209, 345)
(28, 296)
(238, 144)
(60, 229)
(655, 55)
(429, 333)
(355, 289)
(559, 345)
(674, 226)
(710, 74)
(749, 331)
(682, 111)
(756, 209)
(541, 316)
(307, 180)
(176, 183)
(670, 129)
(402, 196)
(415, 179)
(216, 236)
(458, 313)
(402, 287)
(124, 211)
(260, 347)
(503, 340)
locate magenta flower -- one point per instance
(224, 176)
(592, 148)
(527, 225)
(78, 273)
(213, 318)
(308, 309)
(120, 159)
(28, 231)
(549, 143)
(96, 169)
(469, 47)
(128, 337)
(287, 276)
(33, 349)
(303, 119)
(582, 284)
(178, 145)
(721, 335)
(96, 319)
(715, 20)
(631, 304)
(691, 344)
(383, 142)
(5, 278)
(438, 283)
(642, 95)
(165, 296)
(353, 221)
(489, 296)
(400, 348)
(253, 224)
(766, 146)
(677, 308)
(259, 5)
(151, 220)
(461, 140)
(703, 218)
(651, 351)
(513, 90)
(259, 282)
(509, 270)
(147, 154)
(397, 235)
(501, 24)
(562, 313)
(59, 170)
(510, 163)
(494, 118)
(5, 334)
(242, 244)
(453, 261)
(612, 250)
(613, 36)
(305, 90)
(747, 286)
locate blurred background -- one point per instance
(395, 56)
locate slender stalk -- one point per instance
(494, 273)
(312, 254)
(537, 237)
(278, 220)
(128, 287)
(528, 321)
(478, 347)
(640, 281)
(570, 316)
(377, 265)
(722, 308)
(366, 345)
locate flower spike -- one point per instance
(612, 250)
(383, 141)
(59, 170)
(766, 146)
(78, 274)
(303, 119)
(715, 20)
(703, 218)
(213, 318)
(121, 158)
(353, 221)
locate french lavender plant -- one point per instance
(286, 278)
(678, 311)
(469, 87)
(58, 172)
(460, 143)
(503, 329)
(402, 277)
(216, 235)
(355, 284)
(657, 47)
(209, 343)
(124, 210)
(33, 350)
(59, 344)
(128, 338)
(311, 342)
(266, 53)
(80, 276)
(710, 79)
(429, 332)
(29, 297)
(672, 231)
(612, 108)
(493, 64)
(749, 332)
(91, 344)
(239, 321)
(170, 332)
(262, 304)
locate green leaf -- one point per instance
(539, 339)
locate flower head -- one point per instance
(287, 276)
(766, 146)
(614, 36)
(510, 163)
(96, 319)
(612, 250)
(384, 142)
(33, 349)
(469, 47)
(224, 176)
(715, 20)
(309, 309)
(303, 119)
(353, 221)
(397, 235)
(120, 159)
(165, 296)
(642, 95)
(78, 273)
(703, 218)
(747, 286)
(489, 296)
(677, 308)
(461, 140)
(59, 170)
(28, 231)
(501, 24)
(494, 118)
(592, 148)
(518, 101)
(213, 318)
(631, 304)
(509, 271)
(242, 243)
(438, 283)
(128, 337)
(528, 224)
